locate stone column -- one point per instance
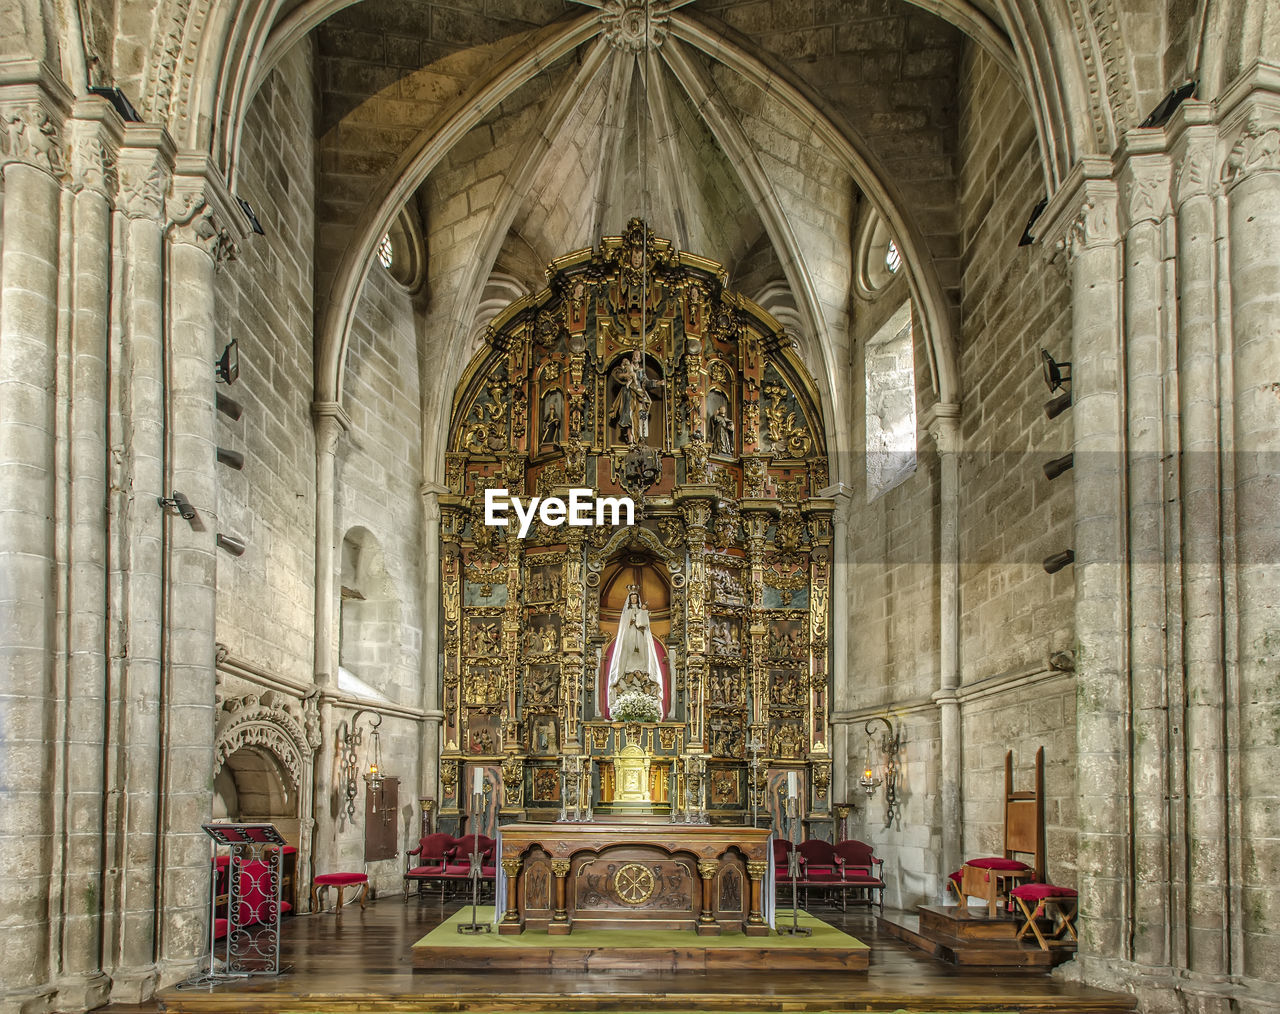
(1251, 180)
(1081, 221)
(1198, 350)
(29, 288)
(136, 522)
(1144, 186)
(199, 243)
(839, 654)
(428, 764)
(330, 422)
(945, 430)
(82, 411)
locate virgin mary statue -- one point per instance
(634, 665)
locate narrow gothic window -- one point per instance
(892, 259)
(385, 256)
(891, 405)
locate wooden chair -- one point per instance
(991, 877)
(433, 853)
(862, 872)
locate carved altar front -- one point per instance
(637, 372)
(634, 876)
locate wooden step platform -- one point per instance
(827, 949)
(972, 941)
(361, 963)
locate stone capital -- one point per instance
(431, 493)
(1083, 214)
(330, 421)
(942, 421)
(1145, 185)
(145, 164)
(1254, 147)
(202, 211)
(94, 137)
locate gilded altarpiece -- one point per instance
(637, 372)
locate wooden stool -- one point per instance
(341, 881)
(1061, 903)
(990, 879)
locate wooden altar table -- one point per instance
(703, 878)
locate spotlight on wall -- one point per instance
(1055, 373)
(1054, 468)
(231, 543)
(1027, 239)
(228, 406)
(228, 364)
(177, 502)
(117, 98)
(1168, 105)
(1054, 563)
(1054, 407)
(232, 459)
(254, 224)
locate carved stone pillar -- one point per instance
(1208, 942)
(1154, 618)
(32, 167)
(1082, 222)
(200, 212)
(431, 642)
(330, 422)
(83, 414)
(1251, 181)
(135, 584)
(944, 427)
(839, 653)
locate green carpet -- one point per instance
(824, 936)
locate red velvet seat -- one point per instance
(433, 853)
(863, 872)
(341, 881)
(1036, 900)
(821, 864)
(781, 854)
(459, 868)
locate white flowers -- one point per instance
(635, 706)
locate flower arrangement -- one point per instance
(635, 706)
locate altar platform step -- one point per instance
(361, 963)
(826, 949)
(971, 941)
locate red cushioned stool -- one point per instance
(1036, 900)
(341, 881)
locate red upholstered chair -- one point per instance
(819, 867)
(1037, 900)
(427, 862)
(781, 854)
(459, 866)
(862, 872)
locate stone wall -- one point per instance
(378, 478)
(1013, 615)
(265, 302)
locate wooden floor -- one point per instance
(363, 962)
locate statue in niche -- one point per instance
(635, 665)
(552, 420)
(634, 400)
(722, 432)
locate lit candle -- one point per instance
(792, 789)
(478, 785)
